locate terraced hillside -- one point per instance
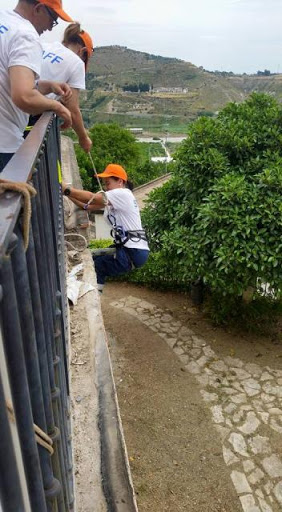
(174, 92)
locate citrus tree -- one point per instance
(220, 216)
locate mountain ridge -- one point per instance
(164, 90)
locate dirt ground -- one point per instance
(174, 450)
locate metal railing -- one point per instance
(34, 388)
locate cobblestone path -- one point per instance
(245, 401)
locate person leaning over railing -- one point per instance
(122, 212)
(20, 63)
(67, 62)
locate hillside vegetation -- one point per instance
(177, 91)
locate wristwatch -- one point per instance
(67, 191)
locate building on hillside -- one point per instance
(173, 90)
(163, 159)
(136, 130)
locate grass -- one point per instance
(172, 147)
(151, 149)
(155, 124)
(100, 244)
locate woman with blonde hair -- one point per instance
(67, 62)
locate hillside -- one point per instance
(177, 91)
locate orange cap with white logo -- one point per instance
(57, 7)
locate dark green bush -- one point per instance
(113, 144)
(220, 216)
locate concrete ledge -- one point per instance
(117, 482)
(102, 474)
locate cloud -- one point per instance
(211, 37)
(241, 35)
(101, 10)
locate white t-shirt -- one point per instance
(62, 65)
(19, 46)
(125, 209)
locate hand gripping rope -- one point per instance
(85, 207)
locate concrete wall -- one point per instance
(99, 481)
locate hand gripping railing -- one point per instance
(33, 331)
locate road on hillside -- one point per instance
(201, 406)
(175, 139)
(141, 193)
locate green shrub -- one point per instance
(100, 244)
(220, 216)
(111, 144)
(259, 316)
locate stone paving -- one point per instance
(245, 401)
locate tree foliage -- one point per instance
(220, 216)
(113, 144)
(141, 87)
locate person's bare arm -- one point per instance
(31, 101)
(77, 122)
(78, 203)
(59, 88)
(86, 206)
(96, 201)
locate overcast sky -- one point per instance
(228, 35)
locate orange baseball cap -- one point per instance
(87, 41)
(56, 6)
(114, 170)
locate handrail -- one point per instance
(33, 327)
(19, 169)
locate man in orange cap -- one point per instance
(20, 64)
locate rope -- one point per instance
(67, 202)
(76, 235)
(27, 192)
(40, 436)
(94, 169)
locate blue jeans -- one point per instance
(109, 265)
(4, 159)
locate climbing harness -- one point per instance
(121, 236)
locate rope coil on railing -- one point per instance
(27, 192)
(40, 436)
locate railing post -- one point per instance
(34, 318)
(18, 378)
(10, 485)
(52, 486)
